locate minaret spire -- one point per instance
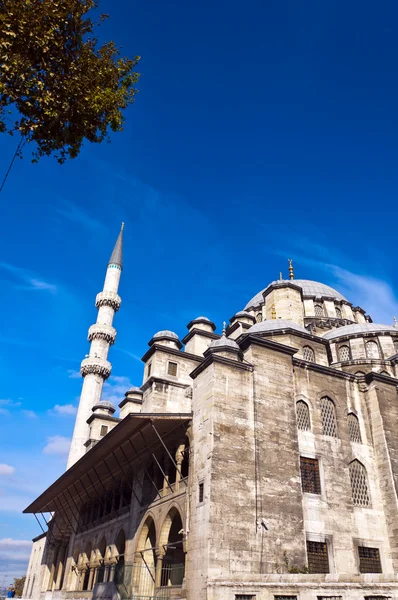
(96, 368)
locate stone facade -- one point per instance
(259, 464)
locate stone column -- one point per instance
(179, 457)
(91, 578)
(166, 469)
(159, 566)
(60, 568)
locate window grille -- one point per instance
(303, 416)
(285, 597)
(344, 353)
(245, 597)
(318, 310)
(359, 484)
(259, 317)
(329, 597)
(353, 428)
(104, 430)
(377, 597)
(172, 369)
(372, 350)
(369, 560)
(310, 480)
(201, 491)
(149, 369)
(308, 354)
(317, 556)
(328, 414)
(339, 314)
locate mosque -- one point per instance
(259, 464)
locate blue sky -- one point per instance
(261, 131)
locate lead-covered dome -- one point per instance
(312, 289)
(359, 328)
(275, 325)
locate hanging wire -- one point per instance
(21, 141)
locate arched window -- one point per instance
(372, 349)
(359, 484)
(328, 414)
(339, 314)
(303, 416)
(259, 317)
(353, 428)
(308, 354)
(318, 310)
(344, 353)
(396, 346)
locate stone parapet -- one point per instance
(108, 298)
(96, 366)
(102, 332)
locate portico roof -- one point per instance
(134, 436)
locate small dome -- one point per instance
(243, 313)
(275, 325)
(309, 288)
(134, 390)
(224, 342)
(359, 328)
(165, 334)
(106, 404)
(201, 319)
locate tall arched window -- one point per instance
(259, 317)
(318, 310)
(303, 416)
(359, 484)
(308, 354)
(353, 428)
(396, 346)
(328, 414)
(339, 314)
(372, 350)
(344, 353)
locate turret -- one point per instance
(96, 368)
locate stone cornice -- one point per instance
(127, 400)
(102, 418)
(309, 366)
(169, 350)
(223, 360)
(236, 325)
(202, 332)
(154, 379)
(248, 339)
(378, 377)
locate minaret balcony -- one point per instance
(96, 366)
(100, 331)
(108, 298)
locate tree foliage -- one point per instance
(57, 86)
(19, 583)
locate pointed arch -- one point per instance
(303, 416)
(171, 538)
(359, 484)
(318, 310)
(328, 414)
(353, 428)
(344, 353)
(308, 353)
(144, 574)
(372, 349)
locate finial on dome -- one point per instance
(273, 312)
(395, 322)
(224, 328)
(280, 276)
(122, 227)
(291, 270)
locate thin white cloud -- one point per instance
(63, 410)
(74, 213)
(9, 403)
(15, 550)
(4, 411)
(58, 445)
(74, 374)
(6, 469)
(29, 414)
(115, 388)
(30, 281)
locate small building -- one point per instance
(256, 464)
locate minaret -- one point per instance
(96, 368)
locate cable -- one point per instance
(12, 162)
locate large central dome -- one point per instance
(310, 288)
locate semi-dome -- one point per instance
(359, 328)
(275, 325)
(309, 288)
